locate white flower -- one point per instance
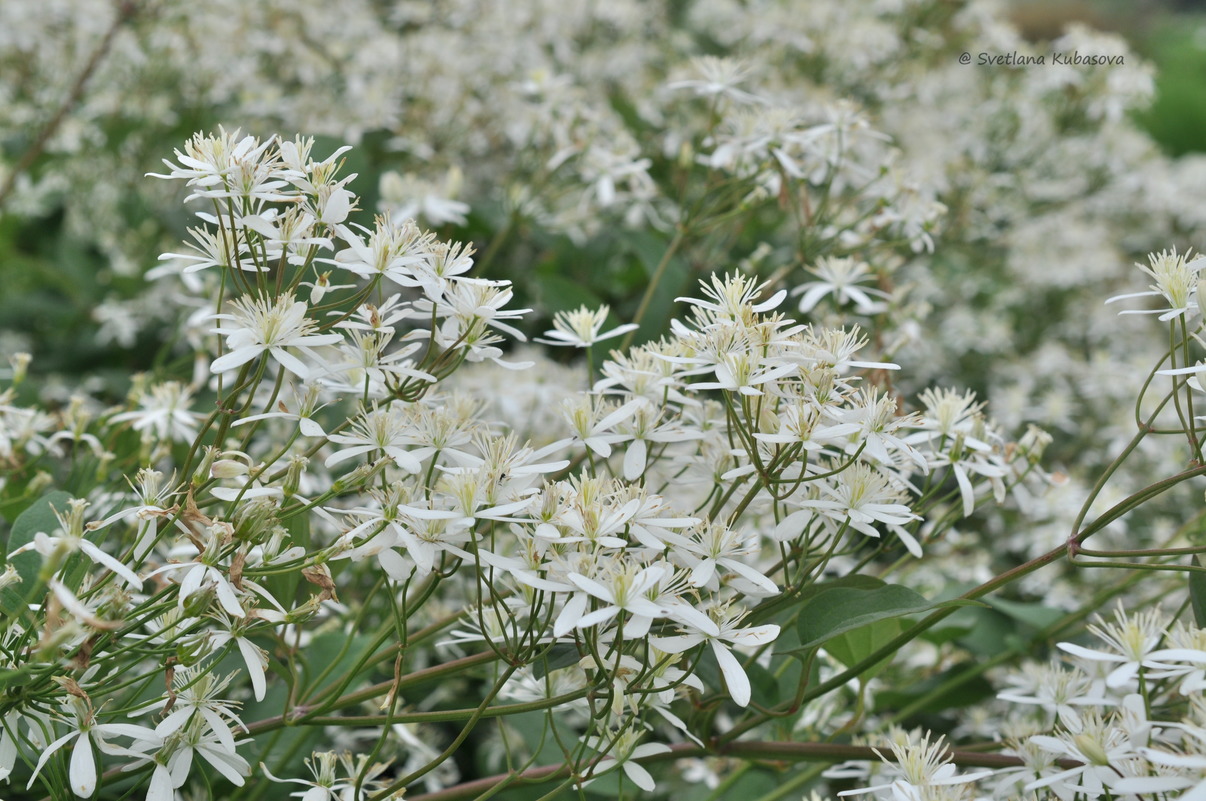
(858, 497)
(256, 327)
(240, 167)
(408, 196)
(204, 572)
(196, 696)
(164, 410)
(580, 328)
(1131, 642)
(1176, 280)
(1056, 689)
(380, 429)
(88, 734)
(324, 787)
(308, 406)
(714, 546)
(1102, 750)
(734, 675)
(840, 278)
(253, 656)
(198, 739)
(624, 754)
(922, 765)
(592, 418)
(624, 590)
(732, 297)
(719, 78)
(392, 251)
(209, 249)
(71, 539)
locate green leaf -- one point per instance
(1036, 615)
(855, 646)
(958, 691)
(39, 517)
(283, 586)
(561, 655)
(764, 687)
(989, 632)
(561, 294)
(845, 604)
(1197, 594)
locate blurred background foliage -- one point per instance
(52, 281)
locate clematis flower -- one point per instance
(71, 539)
(1131, 643)
(728, 619)
(89, 734)
(164, 410)
(840, 277)
(580, 328)
(624, 754)
(621, 590)
(257, 326)
(923, 765)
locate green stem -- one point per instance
(654, 280)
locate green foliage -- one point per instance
(38, 518)
(843, 605)
(1177, 116)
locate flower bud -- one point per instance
(199, 602)
(321, 284)
(1091, 747)
(20, 364)
(10, 576)
(305, 612)
(41, 482)
(686, 155)
(190, 651)
(202, 473)
(227, 468)
(294, 473)
(1033, 443)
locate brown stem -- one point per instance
(778, 751)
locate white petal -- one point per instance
(254, 658)
(310, 428)
(593, 587)
(703, 572)
(108, 561)
(965, 489)
(639, 776)
(394, 565)
(227, 598)
(1085, 653)
(792, 526)
(734, 677)
(161, 788)
(232, 766)
(598, 616)
(570, 614)
(754, 635)
(50, 749)
(83, 768)
(291, 363)
(236, 358)
(634, 460)
(347, 453)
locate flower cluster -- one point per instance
(636, 560)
